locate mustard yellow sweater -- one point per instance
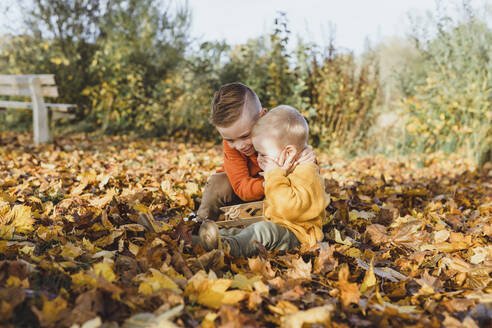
(297, 201)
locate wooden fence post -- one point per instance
(40, 117)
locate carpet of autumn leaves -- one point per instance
(407, 243)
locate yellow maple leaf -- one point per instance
(141, 207)
(156, 281)
(48, 233)
(81, 278)
(208, 321)
(105, 270)
(133, 248)
(4, 211)
(14, 281)
(232, 297)
(212, 292)
(349, 292)
(242, 282)
(50, 312)
(167, 188)
(321, 315)
(104, 200)
(211, 298)
(369, 279)
(20, 217)
(283, 308)
(192, 188)
(71, 251)
(85, 178)
(261, 288)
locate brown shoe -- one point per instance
(209, 235)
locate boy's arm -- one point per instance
(296, 197)
(236, 167)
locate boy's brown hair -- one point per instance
(228, 103)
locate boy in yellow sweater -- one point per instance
(295, 199)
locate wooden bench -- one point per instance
(36, 87)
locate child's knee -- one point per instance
(264, 230)
(218, 192)
(274, 236)
(218, 186)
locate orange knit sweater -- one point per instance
(242, 172)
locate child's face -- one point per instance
(238, 135)
(267, 146)
(271, 155)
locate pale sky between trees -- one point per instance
(237, 20)
(354, 20)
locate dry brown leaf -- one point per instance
(263, 268)
(300, 270)
(349, 292)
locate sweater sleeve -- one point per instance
(244, 185)
(297, 197)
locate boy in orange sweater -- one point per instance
(235, 110)
(295, 199)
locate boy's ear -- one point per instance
(290, 148)
(290, 152)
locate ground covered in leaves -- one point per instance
(407, 243)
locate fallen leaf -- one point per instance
(104, 200)
(349, 292)
(300, 270)
(316, 315)
(20, 218)
(51, 311)
(369, 279)
(283, 308)
(263, 268)
(155, 282)
(105, 269)
(212, 292)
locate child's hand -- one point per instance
(286, 159)
(306, 156)
(267, 163)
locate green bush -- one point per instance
(344, 95)
(109, 59)
(450, 108)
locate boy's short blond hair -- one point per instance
(285, 124)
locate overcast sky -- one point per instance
(238, 20)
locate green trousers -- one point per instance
(243, 242)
